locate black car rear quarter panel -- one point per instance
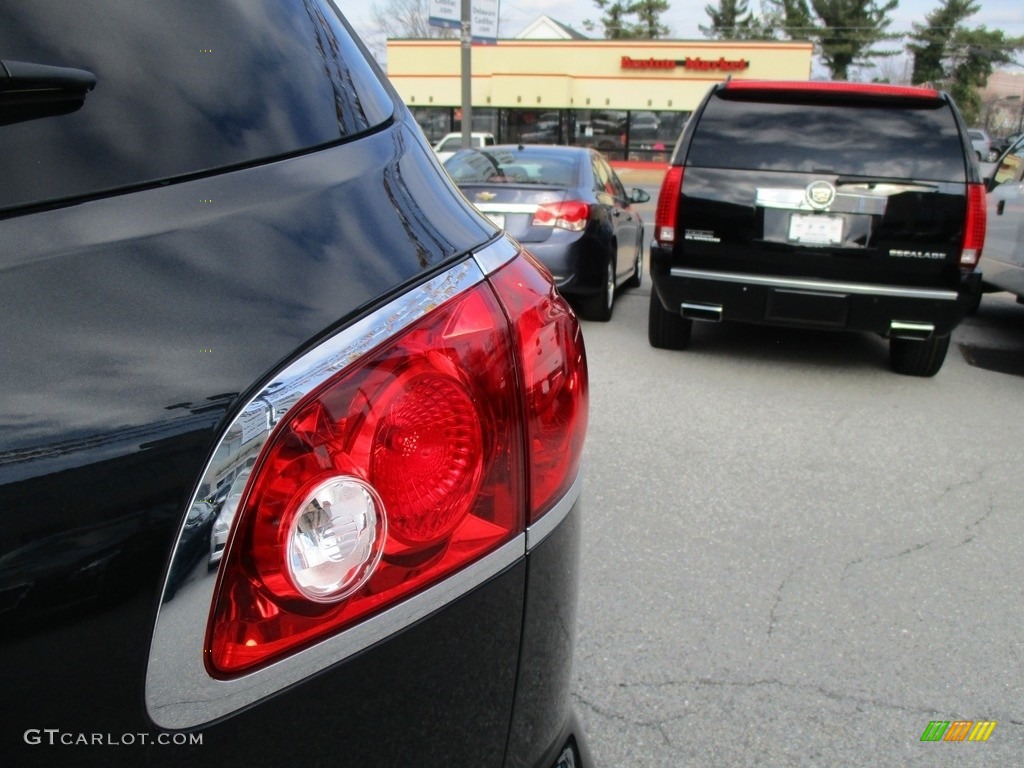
(133, 326)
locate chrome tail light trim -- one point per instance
(180, 693)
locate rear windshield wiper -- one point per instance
(845, 181)
(30, 91)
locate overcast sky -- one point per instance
(684, 16)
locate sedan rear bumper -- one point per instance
(572, 259)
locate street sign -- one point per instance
(447, 13)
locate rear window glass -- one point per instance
(861, 140)
(181, 88)
(513, 167)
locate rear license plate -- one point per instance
(819, 230)
(497, 218)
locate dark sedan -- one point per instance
(290, 434)
(1002, 144)
(568, 208)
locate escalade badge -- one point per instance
(820, 194)
(485, 196)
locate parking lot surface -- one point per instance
(795, 557)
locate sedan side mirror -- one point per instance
(637, 195)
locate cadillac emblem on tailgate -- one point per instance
(820, 194)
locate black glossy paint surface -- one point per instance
(133, 328)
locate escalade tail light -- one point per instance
(432, 450)
(668, 206)
(974, 226)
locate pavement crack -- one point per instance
(778, 599)
(903, 553)
(657, 725)
(837, 696)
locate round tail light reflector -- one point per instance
(428, 459)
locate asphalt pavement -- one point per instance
(794, 557)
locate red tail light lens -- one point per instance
(572, 215)
(407, 466)
(668, 206)
(429, 426)
(555, 383)
(974, 226)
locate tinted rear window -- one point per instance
(182, 87)
(862, 140)
(515, 167)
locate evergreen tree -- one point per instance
(931, 39)
(733, 20)
(845, 32)
(648, 13)
(613, 13)
(636, 19)
(950, 55)
(849, 31)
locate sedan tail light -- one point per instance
(421, 457)
(974, 226)
(571, 214)
(668, 206)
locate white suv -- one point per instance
(981, 142)
(1003, 260)
(452, 143)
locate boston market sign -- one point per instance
(690, 62)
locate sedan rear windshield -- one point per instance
(514, 167)
(180, 88)
(893, 141)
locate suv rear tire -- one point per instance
(918, 358)
(667, 330)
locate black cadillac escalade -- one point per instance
(821, 205)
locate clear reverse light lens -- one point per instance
(336, 539)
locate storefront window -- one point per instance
(604, 130)
(619, 135)
(652, 135)
(435, 121)
(485, 120)
(533, 126)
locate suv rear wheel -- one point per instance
(667, 330)
(918, 358)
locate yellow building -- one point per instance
(630, 98)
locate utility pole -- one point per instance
(467, 73)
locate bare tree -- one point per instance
(408, 19)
